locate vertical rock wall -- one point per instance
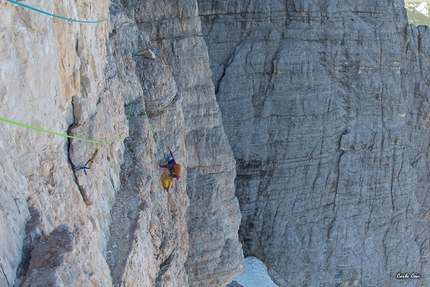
(112, 224)
(52, 76)
(213, 216)
(149, 240)
(325, 105)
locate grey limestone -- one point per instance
(323, 103)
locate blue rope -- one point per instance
(53, 15)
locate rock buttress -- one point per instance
(149, 240)
(177, 109)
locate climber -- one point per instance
(174, 168)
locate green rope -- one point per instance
(58, 134)
(53, 15)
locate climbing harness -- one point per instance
(54, 15)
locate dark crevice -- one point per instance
(33, 234)
(128, 206)
(163, 269)
(217, 84)
(73, 166)
(118, 256)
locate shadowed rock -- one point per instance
(323, 103)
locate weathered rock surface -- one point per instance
(112, 224)
(52, 76)
(325, 105)
(213, 216)
(149, 240)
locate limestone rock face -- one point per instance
(213, 216)
(53, 77)
(172, 105)
(148, 235)
(89, 209)
(325, 105)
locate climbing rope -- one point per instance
(84, 167)
(59, 134)
(89, 163)
(56, 16)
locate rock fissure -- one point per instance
(81, 189)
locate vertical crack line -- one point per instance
(401, 165)
(381, 106)
(164, 267)
(69, 144)
(392, 193)
(384, 247)
(4, 273)
(81, 189)
(337, 171)
(337, 167)
(218, 83)
(271, 82)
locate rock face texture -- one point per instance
(180, 95)
(52, 76)
(325, 104)
(148, 242)
(134, 86)
(325, 110)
